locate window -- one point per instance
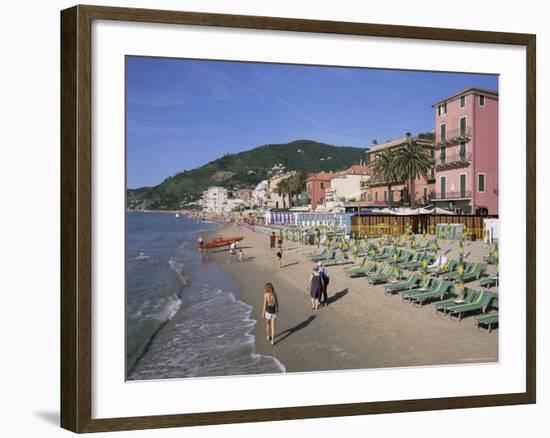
(462, 185)
(322, 185)
(375, 196)
(442, 109)
(462, 126)
(443, 187)
(425, 194)
(481, 100)
(481, 183)
(321, 200)
(369, 197)
(462, 151)
(362, 196)
(462, 101)
(443, 154)
(385, 196)
(443, 132)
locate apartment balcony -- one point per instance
(451, 196)
(456, 159)
(454, 136)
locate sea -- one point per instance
(184, 317)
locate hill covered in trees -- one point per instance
(243, 170)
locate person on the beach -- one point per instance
(272, 239)
(317, 237)
(232, 253)
(325, 277)
(279, 255)
(270, 311)
(240, 255)
(315, 287)
(280, 240)
(200, 242)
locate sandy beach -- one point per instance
(361, 327)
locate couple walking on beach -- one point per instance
(318, 286)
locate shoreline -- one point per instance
(361, 327)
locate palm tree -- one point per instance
(283, 189)
(298, 183)
(412, 161)
(383, 170)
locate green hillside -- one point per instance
(243, 170)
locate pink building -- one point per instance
(316, 186)
(466, 158)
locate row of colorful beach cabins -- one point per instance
(359, 225)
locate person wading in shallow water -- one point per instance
(270, 311)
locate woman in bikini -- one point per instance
(270, 311)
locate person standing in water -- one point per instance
(315, 287)
(200, 243)
(270, 311)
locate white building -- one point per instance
(346, 186)
(234, 204)
(259, 194)
(214, 200)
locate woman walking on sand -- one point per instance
(315, 286)
(270, 310)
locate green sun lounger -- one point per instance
(482, 302)
(468, 269)
(339, 260)
(386, 254)
(369, 268)
(487, 322)
(439, 292)
(382, 277)
(404, 257)
(452, 266)
(469, 296)
(489, 282)
(409, 284)
(328, 256)
(357, 265)
(477, 271)
(321, 254)
(430, 286)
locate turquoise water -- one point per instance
(182, 315)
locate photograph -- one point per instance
(294, 218)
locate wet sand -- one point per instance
(361, 327)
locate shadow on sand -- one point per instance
(285, 334)
(337, 296)
(290, 264)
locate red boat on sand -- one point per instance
(218, 242)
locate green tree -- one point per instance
(283, 188)
(412, 161)
(298, 184)
(384, 170)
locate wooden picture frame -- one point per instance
(76, 217)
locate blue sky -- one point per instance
(182, 114)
